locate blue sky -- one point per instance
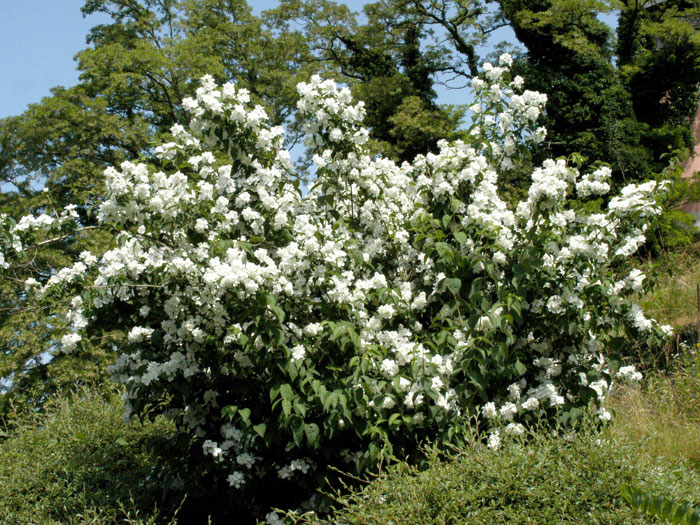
(38, 39)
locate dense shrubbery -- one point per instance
(548, 479)
(80, 463)
(285, 332)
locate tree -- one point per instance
(62, 145)
(659, 61)
(569, 55)
(392, 58)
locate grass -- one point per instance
(662, 416)
(675, 300)
(652, 443)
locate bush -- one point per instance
(288, 333)
(546, 480)
(80, 463)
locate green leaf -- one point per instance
(661, 506)
(453, 285)
(260, 429)
(312, 432)
(229, 411)
(300, 408)
(394, 419)
(286, 392)
(286, 407)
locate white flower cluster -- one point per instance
(15, 236)
(381, 305)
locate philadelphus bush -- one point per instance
(388, 304)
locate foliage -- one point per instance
(547, 478)
(662, 507)
(286, 332)
(80, 463)
(569, 55)
(62, 144)
(137, 68)
(659, 61)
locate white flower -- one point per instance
(484, 323)
(139, 333)
(505, 59)
(287, 471)
(515, 429)
(386, 311)
(236, 479)
(603, 414)
(531, 404)
(557, 400)
(508, 410)
(69, 342)
(213, 449)
(312, 329)
(601, 387)
(532, 113)
(298, 353)
(272, 518)
(629, 373)
(246, 460)
(489, 410)
(336, 135)
(390, 368)
(494, 441)
(201, 225)
(514, 391)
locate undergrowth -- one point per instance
(574, 478)
(79, 463)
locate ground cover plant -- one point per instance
(286, 332)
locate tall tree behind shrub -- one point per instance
(659, 59)
(570, 55)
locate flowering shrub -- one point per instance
(289, 331)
